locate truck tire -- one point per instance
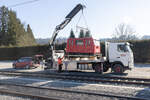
(118, 68)
(14, 66)
(105, 69)
(106, 66)
(98, 69)
(27, 67)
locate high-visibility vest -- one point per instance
(59, 61)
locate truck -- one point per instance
(85, 53)
(118, 57)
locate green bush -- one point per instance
(141, 50)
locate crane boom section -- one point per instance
(68, 18)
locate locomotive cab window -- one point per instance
(87, 43)
(79, 42)
(71, 42)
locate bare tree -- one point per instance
(124, 32)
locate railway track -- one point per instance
(19, 94)
(24, 94)
(84, 78)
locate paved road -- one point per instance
(140, 70)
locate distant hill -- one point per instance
(146, 37)
(46, 40)
(62, 40)
(42, 41)
(105, 39)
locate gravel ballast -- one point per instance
(96, 88)
(13, 97)
(141, 71)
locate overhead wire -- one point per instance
(23, 3)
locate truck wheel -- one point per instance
(27, 67)
(118, 69)
(105, 69)
(14, 66)
(98, 68)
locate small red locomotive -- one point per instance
(83, 46)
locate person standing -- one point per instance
(60, 64)
(42, 63)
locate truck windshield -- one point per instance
(123, 48)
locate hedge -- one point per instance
(141, 50)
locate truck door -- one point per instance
(118, 52)
(123, 54)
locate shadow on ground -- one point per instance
(145, 93)
(56, 83)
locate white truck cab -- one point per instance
(119, 54)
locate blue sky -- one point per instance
(102, 15)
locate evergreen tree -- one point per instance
(12, 31)
(3, 25)
(30, 35)
(88, 34)
(81, 35)
(72, 34)
(16, 30)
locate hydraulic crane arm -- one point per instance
(68, 18)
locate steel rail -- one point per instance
(103, 79)
(14, 93)
(64, 90)
(79, 75)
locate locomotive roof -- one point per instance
(83, 38)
